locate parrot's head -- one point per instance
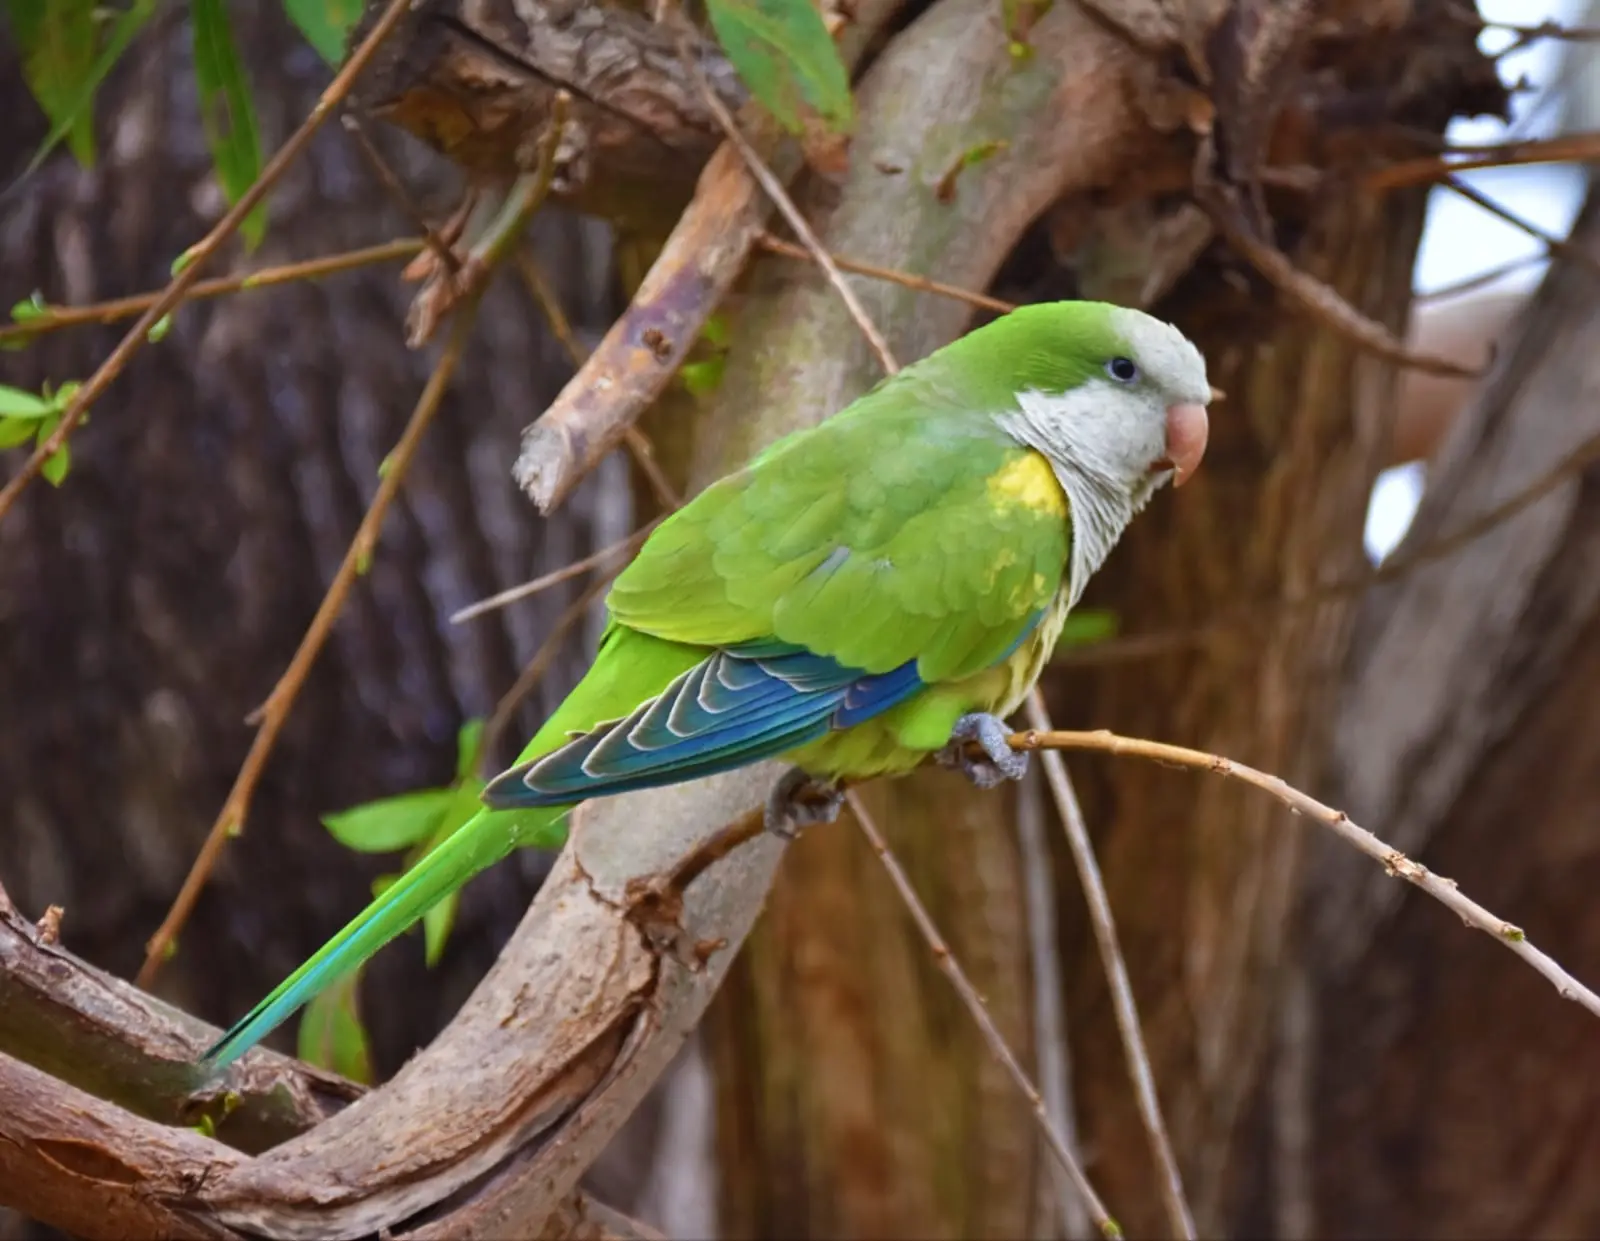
(1115, 400)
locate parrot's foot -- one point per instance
(999, 763)
(800, 801)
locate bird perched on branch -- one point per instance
(865, 594)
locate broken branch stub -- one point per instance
(696, 268)
(103, 1035)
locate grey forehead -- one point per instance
(1168, 356)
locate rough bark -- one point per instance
(89, 1164)
(476, 79)
(1450, 1095)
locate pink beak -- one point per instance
(1187, 428)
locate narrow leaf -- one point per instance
(17, 403)
(391, 824)
(56, 465)
(469, 741)
(782, 51)
(81, 102)
(226, 111)
(57, 38)
(14, 431)
(1086, 626)
(436, 924)
(325, 24)
(331, 1034)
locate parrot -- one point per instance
(865, 594)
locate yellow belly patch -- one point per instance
(1028, 480)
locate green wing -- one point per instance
(885, 535)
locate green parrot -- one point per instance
(865, 594)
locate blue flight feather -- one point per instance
(737, 705)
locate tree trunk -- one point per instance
(1452, 1093)
(148, 605)
(848, 1105)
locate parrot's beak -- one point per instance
(1187, 428)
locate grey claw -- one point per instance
(798, 801)
(1000, 761)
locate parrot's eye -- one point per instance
(1123, 370)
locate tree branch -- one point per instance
(474, 80)
(1391, 859)
(97, 1084)
(105, 1036)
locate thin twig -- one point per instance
(535, 669)
(55, 318)
(952, 970)
(532, 273)
(198, 254)
(275, 710)
(1392, 860)
(554, 578)
(1525, 35)
(780, 199)
(1566, 149)
(400, 195)
(1552, 243)
(1122, 1003)
(1484, 278)
(1050, 1036)
(921, 283)
(1317, 298)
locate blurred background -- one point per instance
(1335, 1054)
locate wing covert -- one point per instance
(880, 537)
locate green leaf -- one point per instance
(436, 924)
(58, 38)
(226, 111)
(469, 741)
(702, 379)
(783, 53)
(16, 403)
(80, 101)
(331, 1034)
(325, 24)
(34, 308)
(14, 431)
(390, 824)
(1086, 626)
(56, 465)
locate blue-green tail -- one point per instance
(479, 843)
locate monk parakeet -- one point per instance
(865, 594)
